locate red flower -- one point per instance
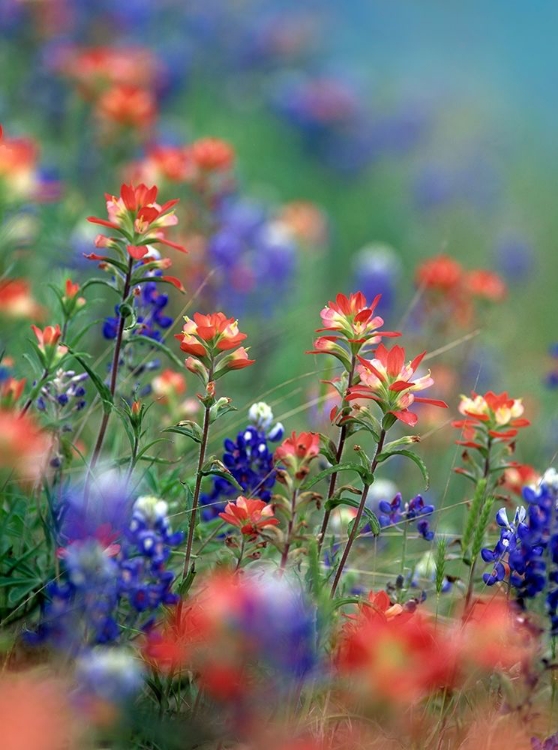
(486, 284)
(498, 415)
(206, 337)
(16, 300)
(297, 451)
(212, 154)
(250, 515)
(24, 447)
(353, 319)
(138, 218)
(391, 383)
(129, 106)
(398, 659)
(441, 273)
(47, 337)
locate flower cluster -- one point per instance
(208, 339)
(250, 515)
(297, 452)
(85, 607)
(390, 382)
(527, 550)
(138, 219)
(452, 291)
(149, 306)
(249, 460)
(395, 512)
(63, 394)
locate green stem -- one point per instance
(356, 522)
(114, 369)
(338, 456)
(285, 554)
(197, 489)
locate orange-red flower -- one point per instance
(48, 336)
(138, 218)
(496, 414)
(206, 333)
(128, 106)
(212, 154)
(297, 451)
(353, 318)
(16, 300)
(441, 273)
(24, 447)
(486, 285)
(168, 383)
(250, 515)
(390, 382)
(398, 659)
(516, 476)
(11, 391)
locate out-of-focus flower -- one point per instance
(168, 384)
(376, 270)
(397, 659)
(442, 273)
(250, 515)
(16, 300)
(390, 382)
(35, 713)
(127, 106)
(212, 154)
(11, 391)
(24, 447)
(495, 635)
(485, 285)
(236, 626)
(95, 69)
(516, 476)
(306, 221)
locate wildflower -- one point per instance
(392, 513)
(206, 338)
(306, 221)
(399, 659)
(353, 318)
(24, 447)
(11, 391)
(496, 415)
(63, 394)
(250, 461)
(16, 300)
(390, 382)
(212, 154)
(149, 304)
(485, 285)
(128, 106)
(137, 217)
(111, 674)
(169, 384)
(442, 274)
(250, 515)
(297, 451)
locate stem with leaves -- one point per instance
(338, 456)
(288, 542)
(114, 367)
(357, 520)
(197, 489)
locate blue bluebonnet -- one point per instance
(515, 258)
(63, 394)
(149, 306)
(394, 512)
(550, 743)
(529, 546)
(110, 673)
(250, 461)
(254, 255)
(280, 621)
(106, 588)
(551, 379)
(377, 270)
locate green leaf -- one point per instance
(185, 585)
(347, 466)
(413, 457)
(188, 428)
(334, 502)
(102, 389)
(102, 282)
(223, 473)
(157, 345)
